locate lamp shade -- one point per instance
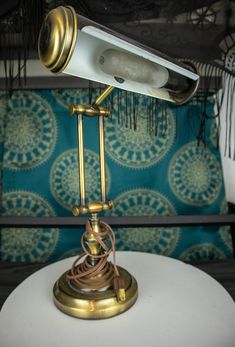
(75, 45)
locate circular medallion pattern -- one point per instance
(2, 114)
(214, 134)
(226, 237)
(203, 18)
(31, 244)
(195, 175)
(227, 47)
(224, 231)
(31, 131)
(137, 148)
(202, 252)
(145, 202)
(66, 97)
(64, 178)
(1, 179)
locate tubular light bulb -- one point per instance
(124, 66)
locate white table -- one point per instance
(178, 306)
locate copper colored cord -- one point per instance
(100, 275)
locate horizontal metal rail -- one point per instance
(127, 221)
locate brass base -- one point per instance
(94, 304)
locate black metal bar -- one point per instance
(52, 82)
(127, 221)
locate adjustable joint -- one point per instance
(79, 209)
(92, 207)
(88, 110)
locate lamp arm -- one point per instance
(81, 159)
(102, 159)
(104, 95)
(92, 110)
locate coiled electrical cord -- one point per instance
(103, 273)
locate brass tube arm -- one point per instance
(92, 110)
(104, 95)
(81, 160)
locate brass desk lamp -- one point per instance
(95, 288)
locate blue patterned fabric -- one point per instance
(166, 174)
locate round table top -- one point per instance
(178, 305)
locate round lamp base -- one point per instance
(94, 304)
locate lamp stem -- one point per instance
(102, 160)
(81, 160)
